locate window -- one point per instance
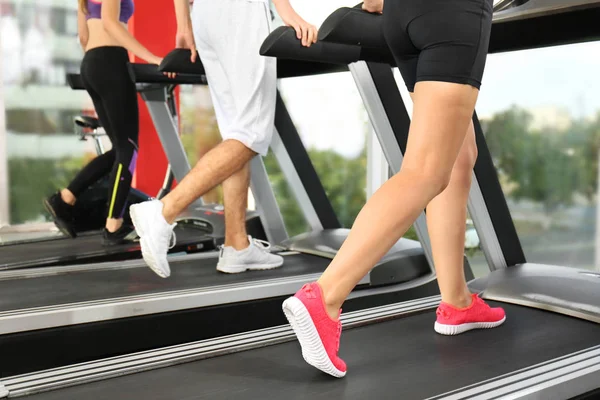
(41, 150)
(199, 129)
(333, 124)
(542, 125)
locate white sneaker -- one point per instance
(156, 235)
(254, 257)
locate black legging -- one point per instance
(106, 76)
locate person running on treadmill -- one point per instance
(440, 47)
(105, 74)
(242, 84)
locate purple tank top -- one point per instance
(95, 10)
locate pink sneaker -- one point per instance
(317, 333)
(452, 320)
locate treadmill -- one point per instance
(53, 317)
(203, 229)
(57, 250)
(549, 347)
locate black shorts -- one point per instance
(439, 40)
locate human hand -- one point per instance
(373, 6)
(306, 32)
(158, 60)
(185, 40)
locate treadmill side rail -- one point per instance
(404, 262)
(564, 290)
(107, 368)
(569, 376)
(326, 243)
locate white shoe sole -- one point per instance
(458, 329)
(236, 269)
(313, 350)
(148, 253)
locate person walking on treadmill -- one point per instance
(103, 34)
(440, 47)
(242, 84)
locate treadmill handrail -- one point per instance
(354, 26)
(178, 60)
(149, 73)
(283, 44)
(539, 8)
(146, 73)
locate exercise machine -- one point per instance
(90, 219)
(115, 304)
(548, 348)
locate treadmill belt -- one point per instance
(398, 359)
(89, 248)
(111, 283)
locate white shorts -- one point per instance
(243, 84)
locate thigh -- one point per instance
(253, 78)
(207, 20)
(452, 37)
(468, 152)
(99, 108)
(442, 114)
(119, 100)
(407, 65)
(396, 18)
(243, 83)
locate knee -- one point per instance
(126, 154)
(463, 167)
(432, 180)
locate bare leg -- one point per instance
(68, 197)
(235, 193)
(442, 113)
(216, 166)
(446, 223)
(113, 224)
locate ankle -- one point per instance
(68, 197)
(461, 300)
(169, 214)
(238, 242)
(332, 303)
(113, 224)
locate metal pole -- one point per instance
(4, 188)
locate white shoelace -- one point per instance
(259, 244)
(262, 244)
(172, 240)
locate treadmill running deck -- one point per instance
(402, 358)
(16, 294)
(89, 248)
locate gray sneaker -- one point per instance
(257, 256)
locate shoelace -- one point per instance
(307, 288)
(339, 336)
(262, 244)
(172, 240)
(441, 312)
